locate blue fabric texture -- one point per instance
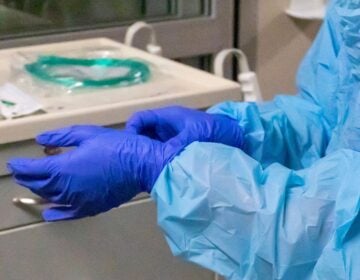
(287, 205)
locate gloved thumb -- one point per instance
(233, 136)
(178, 143)
(59, 213)
(141, 121)
(69, 136)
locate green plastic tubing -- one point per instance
(139, 72)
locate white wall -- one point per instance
(275, 43)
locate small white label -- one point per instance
(16, 103)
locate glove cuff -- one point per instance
(154, 163)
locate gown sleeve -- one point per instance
(288, 130)
(219, 208)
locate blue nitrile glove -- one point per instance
(187, 124)
(107, 168)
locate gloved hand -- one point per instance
(107, 168)
(187, 124)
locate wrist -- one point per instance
(228, 131)
(155, 161)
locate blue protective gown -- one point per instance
(287, 206)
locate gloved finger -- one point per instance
(149, 123)
(141, 121)
(234, 138)
(60, 213)
(69, 136)
(44, 187)
(178, 142)
(39, 168)
(239, 138)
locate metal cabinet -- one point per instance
(13, 216)
(122, 244)
(17, 149)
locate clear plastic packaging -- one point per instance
(75, 72)
(74, 86)
(15, 103)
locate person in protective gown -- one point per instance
(250, 191)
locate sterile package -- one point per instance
(15, 103)
(49, 80)
(78, 71)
